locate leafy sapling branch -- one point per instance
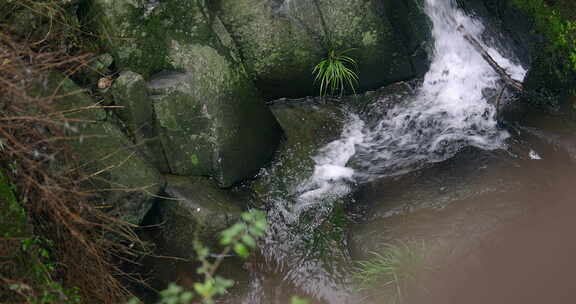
(240, 238)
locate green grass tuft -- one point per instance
(393, 271)
(335, 72)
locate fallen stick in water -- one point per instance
(513, 83)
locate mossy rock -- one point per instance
(137, 113)
(276, 50)
(205, 127)
(299, 33)
(210, 118)
(308, 124)
(127, 182)
(197, 210)
(143, 37)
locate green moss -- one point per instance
(166, 118)
(553, 21)
(140, 37)
(151, 47)
(194, 159)
(13, 219)
(369, 38)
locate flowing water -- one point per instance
(452, 109)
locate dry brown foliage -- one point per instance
(89, 246)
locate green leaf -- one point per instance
(205, 290)
(222, 284)
(241, 250)
(298, 300)
(186, 297)
(248, 241)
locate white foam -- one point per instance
(534, 155)
(330, 173)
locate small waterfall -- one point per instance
(449, 111)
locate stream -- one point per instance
(429, 163)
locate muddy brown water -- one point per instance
(512, 243)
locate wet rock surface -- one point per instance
(197, 209)
(300, 33)
(125, 180)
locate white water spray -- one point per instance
(449, 111)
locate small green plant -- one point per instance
(335, 72)
(41, 288)
(240, 238)
(13, 217)
(298, 300)
(391, 272)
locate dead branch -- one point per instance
(508, 80)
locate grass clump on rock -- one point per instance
(335, 72)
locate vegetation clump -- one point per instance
(67, 255)
(336, 72)
(560, 31)
(557, 22)
(391, 273)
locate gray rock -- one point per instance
(210, 118)
(137, 112)
(299, 33)
(205, 132)
(122, 177)
(128, 182)
(198, 210)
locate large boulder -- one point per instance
(300, 32)
(194, 209)
(210, 118)
(125, 180)
(206, 132)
